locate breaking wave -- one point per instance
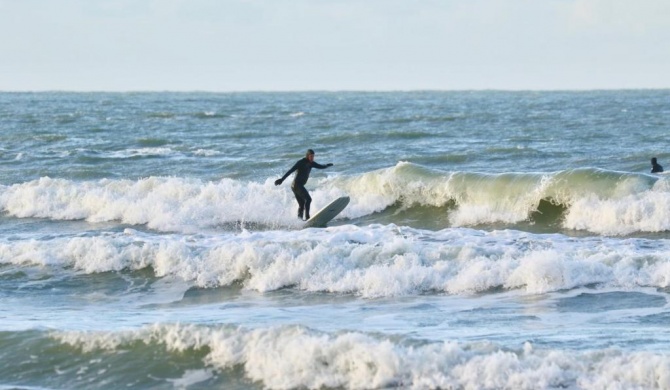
(593, 200)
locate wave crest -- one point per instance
(599, 201)
(371, 262)
(298, 357)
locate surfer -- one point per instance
(655, 167)
(303, 168)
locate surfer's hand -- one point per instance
(329, 164)
(278, 182)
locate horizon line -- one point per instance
(331, 90)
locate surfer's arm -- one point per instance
(319, 166)
(290, 171)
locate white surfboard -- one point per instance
(323, 216)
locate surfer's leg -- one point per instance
(303, 198)
(300, 199)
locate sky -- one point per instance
(361, 45)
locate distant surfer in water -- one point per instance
(304, 167)
(655, 167)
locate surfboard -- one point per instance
(326, 214)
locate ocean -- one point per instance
(494, 240)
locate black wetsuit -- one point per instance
(656, 167)
(304, 167)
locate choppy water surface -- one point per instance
(493, 240)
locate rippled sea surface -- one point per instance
(493, 240)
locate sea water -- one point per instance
(494, 240)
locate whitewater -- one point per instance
(494, 240)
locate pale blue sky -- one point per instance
(270, 45)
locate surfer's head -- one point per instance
(653, 160)
(310, 152)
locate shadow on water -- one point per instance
(546, 219)
(419, 217)
(600, 302)
(236, 293)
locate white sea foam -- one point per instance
(608, 203)
(207, 152)
(294, 356)
(648, 211)
(191, 377)
(375, 261)
(168, 204)
(142, 152)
